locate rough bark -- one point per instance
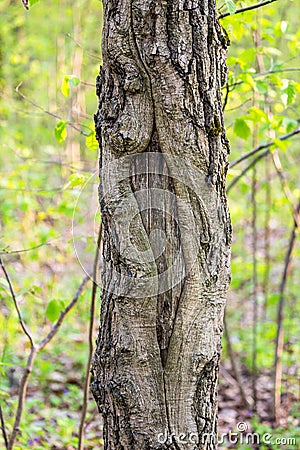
(167, 231)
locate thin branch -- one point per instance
(63, 314)
(21, 321)
(51, 114)
(280, 332)
(239, 106)
(30, 361)
(91, 342)
(247, 8)
(92, 55)
(263, 146)
(12, 252)
(252, 164)
(3, 428)
(226, 97)
(285, 186)
(263, 74)
(269, 72)
(85, 83)
(26, 4)
(4, 188)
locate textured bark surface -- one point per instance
(167, 232)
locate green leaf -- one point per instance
(290, 90)
(248, 78)
(289, 94)
(241, 128)
(257, 115)
(33, 2)
(76, 180)
(290, 124)
(91, 141)
(53, 310)
(60, 131)
(68, 81)
(262, 87)
(65, 87)
(231, 6)
(74, 81)
(282, 145)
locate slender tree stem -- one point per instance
(280, 331)
(254, 289)
(3, 428)
(267, 238)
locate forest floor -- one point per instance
(53, 411)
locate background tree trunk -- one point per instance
(166, 242)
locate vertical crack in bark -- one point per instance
(167, 301)
(160, 220)
(154, 179)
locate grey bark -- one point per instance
(166, 242)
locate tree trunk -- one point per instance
(166, 242)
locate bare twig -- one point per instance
(92, 55)
(12, 252)
(3, 428)
(263, 146)
(21, 321)
(49, 113)
(247, 8)
(285, 186)
(280, 332)
(252, 164)
(91, 343)
(63, 314)
(26, 4)
(239, 106)
(263, 74)
(226, 97)
(281, 70)
(31, 358)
